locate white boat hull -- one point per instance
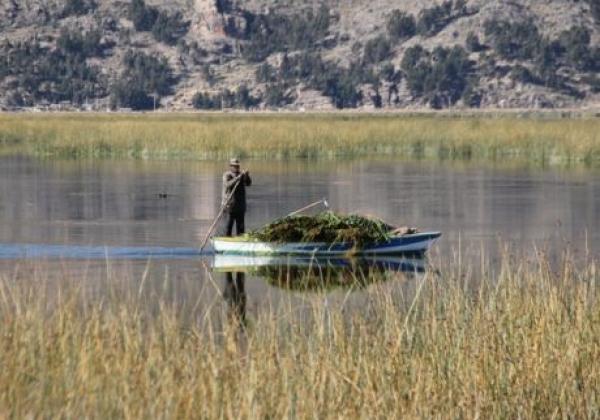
(414, 243)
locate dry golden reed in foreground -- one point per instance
(521, 343)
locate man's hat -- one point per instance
(234, 162)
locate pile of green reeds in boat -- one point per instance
(326, 227)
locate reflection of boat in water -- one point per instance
(411, 243)
(307, 273)
(246, 263)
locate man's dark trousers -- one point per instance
(236, 218)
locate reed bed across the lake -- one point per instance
(519, 341)
(326, 136)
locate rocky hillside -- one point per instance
(257, 54)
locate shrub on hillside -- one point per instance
(142, 16)
(546, 60)
(78, 7)
(202, 100)
(143, 75)
(77, 43)
(472, 43)
(208, 74)
(276, 95)
(377, 49)
(127, 93)
(277, 32)
(224, 6)
(388, 73)
(440, 77)
(343, 91)
(54, 75)
(472, 96)
(152, 69)
(169, 28)
(575, 43)
(513, 40)
(522, 74)
(265, 73)
(241, 99)
(165, 27)
(594, 82)
(433, 20)
(401, 25)
(595, 9)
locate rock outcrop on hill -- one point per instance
(312, 55)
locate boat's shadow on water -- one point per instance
(305, 274)
(308, 273)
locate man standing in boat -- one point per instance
(235, 182)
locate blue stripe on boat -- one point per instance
(395, 242)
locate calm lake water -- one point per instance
(85, 219)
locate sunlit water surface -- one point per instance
(87, 220)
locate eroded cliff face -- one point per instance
(209, 57)
(207, 19)
(28, 12)
(17, 13)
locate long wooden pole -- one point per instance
(310, 206)
(220, 214)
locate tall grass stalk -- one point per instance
(524, 343)
(546, 140)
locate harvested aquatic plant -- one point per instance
(327, 227)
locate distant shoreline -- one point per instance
(470, 112)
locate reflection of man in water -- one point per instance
(235, 182)
(235, 295)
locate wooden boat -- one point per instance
(405, 244)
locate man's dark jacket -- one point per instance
(237, 203)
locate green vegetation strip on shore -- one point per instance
(522, 344)
(551, 140)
